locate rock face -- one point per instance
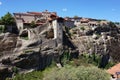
(7, 43)
(35, 49)
(32, 49)
(104, 40)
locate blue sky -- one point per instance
(100, 9)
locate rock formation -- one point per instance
(102, 40)
(36, 48)
(32, 49)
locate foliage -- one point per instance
(7, 19)
(82, 28)
(77, 73)
(0, 21)
(15, 70)
(67, 17)
(86, 60)
(2, 28)
(65, 57)
(68, 31)
(77, 69)
(32, 24)
(110, 64)
(118, 23)
(111, 24)
(27, 51)
(35, 75)
(76, 16)
(25, 38)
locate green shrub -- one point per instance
(36, 75)
(27, 51)
(82, 28)
(77, 73)
(2, 29)
(25, 38)
(110, 64)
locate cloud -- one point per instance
(0, 3)
(64, 9)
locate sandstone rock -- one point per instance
(8, 44)
(27, 60)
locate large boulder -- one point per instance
(7, 44)
(27, 60)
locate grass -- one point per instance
(27, 51)
(35, 75)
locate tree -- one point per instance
(76, 16)
(0, 21)
(32, 24)
(7, 19)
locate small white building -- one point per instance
(58, 30)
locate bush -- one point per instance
(36, 75)
(2, 28)
(77, 73)
(25, 38)
(27, 51)
(82, 28)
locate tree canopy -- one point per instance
(76, 16)
(32, 24)
(7, 19)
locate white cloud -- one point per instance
(0, 3)
(64, 9)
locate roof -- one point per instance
(93, 22)
(35, 13)
(115, 69)
(23, 14)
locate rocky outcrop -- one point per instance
(104, 40)
(7, 43)
(34, 53)
(40, 48)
